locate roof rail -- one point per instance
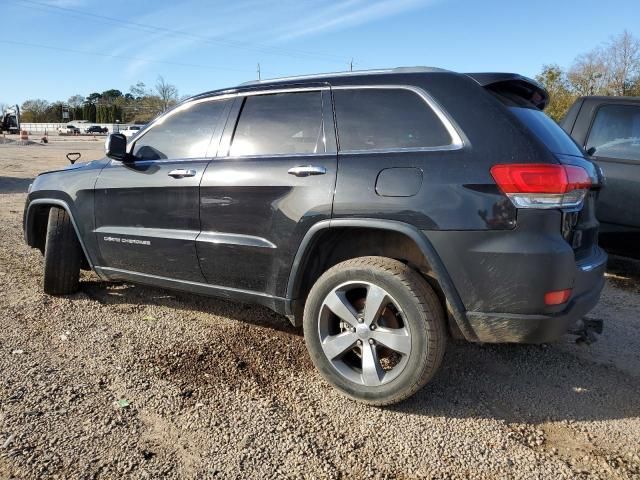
(345, 74)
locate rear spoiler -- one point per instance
(514, 84)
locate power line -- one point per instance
(126, 57)
(229, 43)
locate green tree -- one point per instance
(54, 112)
(75, 103)
(110, 95)
(554, 79)
(116, 113)
(93, 98)
(89, 112)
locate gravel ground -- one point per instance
(123, 381)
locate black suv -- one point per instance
(383, 211)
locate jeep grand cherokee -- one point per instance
(383, 211)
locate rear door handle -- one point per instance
(182, 172)
(306, 170)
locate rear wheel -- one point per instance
(62, 255)
(374, 329)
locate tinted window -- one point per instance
(185, 133)
(616, 132)
(279, 124)
(370, 119)
(548, 131)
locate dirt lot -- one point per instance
(126, 381)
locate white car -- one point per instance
(131, 130)
(69, 130)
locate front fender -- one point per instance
(30, 228)
(72, 189)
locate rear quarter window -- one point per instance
(386, 118)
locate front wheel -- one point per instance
(62, 254)
(374, 329)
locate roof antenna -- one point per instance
(351, 65)
(259, 71)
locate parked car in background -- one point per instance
(131, 130)
(69, 130)
(97, 129)
(382, 211)
(608, 128)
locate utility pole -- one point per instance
(259, 71)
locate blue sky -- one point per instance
(201, 45)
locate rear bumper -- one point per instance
(525, 328)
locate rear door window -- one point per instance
(616, 132)
(280, 124)
(386, 118)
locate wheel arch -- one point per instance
(310, 261)
(38, 212)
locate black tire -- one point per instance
(62, 255)
(420, 312)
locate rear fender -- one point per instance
(454, 303)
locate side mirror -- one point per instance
(591, 151)
(116, 147)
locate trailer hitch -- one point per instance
(586, 330)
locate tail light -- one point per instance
(539, 185)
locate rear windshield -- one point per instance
(556, 139)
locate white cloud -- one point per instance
(218, 33)
(348, 14)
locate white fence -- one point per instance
(34, 128)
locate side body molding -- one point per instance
(28, 231)
(453, 298)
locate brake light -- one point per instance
(539, 185)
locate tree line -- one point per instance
(139, 105)
(612, 68)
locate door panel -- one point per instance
(261, 213)
(253, 212)
(146, 220)
(621, 192)
(147, 210)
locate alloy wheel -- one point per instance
(363, 333)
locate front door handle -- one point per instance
(181, 173)
(306, 170)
